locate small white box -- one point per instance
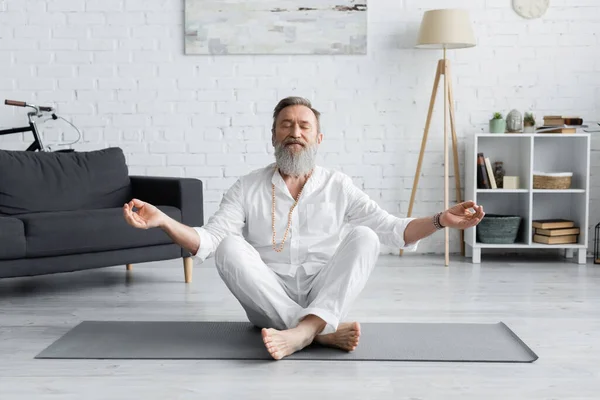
(510, 182)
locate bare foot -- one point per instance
(283, 343)
(346, 337)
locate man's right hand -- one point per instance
(147, 216)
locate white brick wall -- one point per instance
(116, 68)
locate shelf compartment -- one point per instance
(561, 153)
(506, 204)
(569, 206)
(513, 151)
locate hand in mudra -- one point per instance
(147, 216)
(461, 217)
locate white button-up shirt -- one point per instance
(329, 204)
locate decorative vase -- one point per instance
(499, 173)
(497, 126)
(529, 128)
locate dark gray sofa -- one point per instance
(62, 212)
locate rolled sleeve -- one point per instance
(399, 229)
(206, 246)
(228, 220)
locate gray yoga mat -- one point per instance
(241, 340)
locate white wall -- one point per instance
(116, 68)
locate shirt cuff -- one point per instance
(399, 231)
(205, 246)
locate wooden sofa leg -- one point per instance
(129, 267)
(188, 264)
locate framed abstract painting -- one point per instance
(275, 27)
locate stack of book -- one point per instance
(560, 124)
(555, 231)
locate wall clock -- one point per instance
(530, 8)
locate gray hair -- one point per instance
(295, 101)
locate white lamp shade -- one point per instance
(447, 28)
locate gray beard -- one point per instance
(295, 164)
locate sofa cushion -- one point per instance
(86, 231)
(53, 181)
(12, 238)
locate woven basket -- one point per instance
(560, 180)
(498, 229)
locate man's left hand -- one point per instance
(461, 217)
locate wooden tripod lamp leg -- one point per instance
(424, 140)
(455, 150)
(446, 230)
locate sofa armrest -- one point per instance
(183, 193)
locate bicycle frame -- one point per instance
(37, 140)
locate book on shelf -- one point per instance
(561, 124)
(557, 231)
(555, 239)
(557, 129)
(485, 174)
(560, 120)
(555, 223)
(482, 175)
(490, 172)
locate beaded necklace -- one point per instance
(289, 215)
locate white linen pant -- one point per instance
(271, 300)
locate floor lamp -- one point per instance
(443, 29)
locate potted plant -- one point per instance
(529, 123)
(497, 123)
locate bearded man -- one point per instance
(295, 242)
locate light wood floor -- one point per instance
(552, 304)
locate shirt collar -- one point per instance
(311, 184)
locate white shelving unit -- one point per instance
(522, 154)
